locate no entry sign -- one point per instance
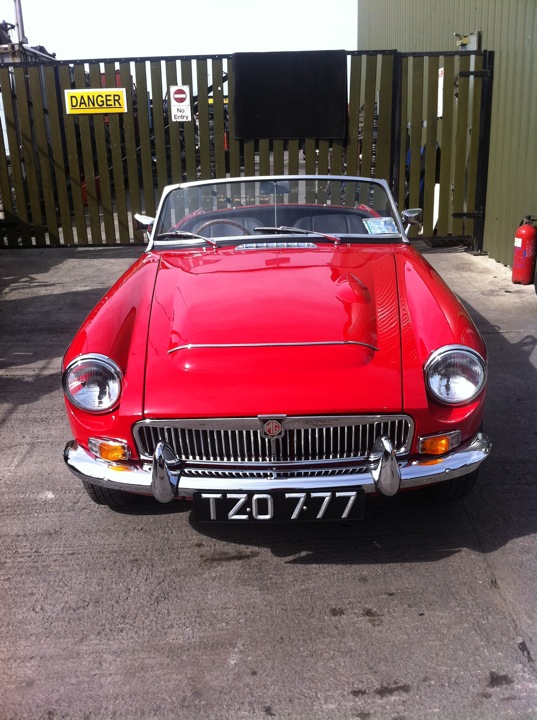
(180, 110)
(180, 95)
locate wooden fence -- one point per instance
(78, 179)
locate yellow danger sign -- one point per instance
(104, 100)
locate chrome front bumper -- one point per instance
(382, 473)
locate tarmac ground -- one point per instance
(420, 611)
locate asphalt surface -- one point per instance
(419, 611)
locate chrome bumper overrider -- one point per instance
(384, 473)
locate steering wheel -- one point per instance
(221, 221)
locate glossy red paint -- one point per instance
(117, 327)
(431, 317)
(230, 296)
(384, 296)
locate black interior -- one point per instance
(318, 219)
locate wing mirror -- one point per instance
(144, 223)
(412, 216)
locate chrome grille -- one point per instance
(313, 446)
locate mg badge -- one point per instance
(272, 427)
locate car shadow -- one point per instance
(410, 527)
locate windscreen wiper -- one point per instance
(182, 235)
(286, 230)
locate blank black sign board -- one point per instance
(290, 94)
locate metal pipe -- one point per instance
(20, 22)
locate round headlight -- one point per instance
(93, 383)
(455, 375)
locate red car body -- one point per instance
(314, 328)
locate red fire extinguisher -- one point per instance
(524, 252)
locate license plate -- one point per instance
(279, 505)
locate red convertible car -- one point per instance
(278, 352)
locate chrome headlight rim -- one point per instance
(109, 366)
(446, 353)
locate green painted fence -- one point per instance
(78, 179)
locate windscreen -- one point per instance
(350, 207)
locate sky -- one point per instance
(114, 29)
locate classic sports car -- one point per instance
(279, 352)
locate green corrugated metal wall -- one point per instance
(509, 28)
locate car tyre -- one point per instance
(456, 488)
(113, 498)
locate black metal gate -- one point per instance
(418, 120)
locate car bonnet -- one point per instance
(295, 331)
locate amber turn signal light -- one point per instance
(439, 444)
(111, 450)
